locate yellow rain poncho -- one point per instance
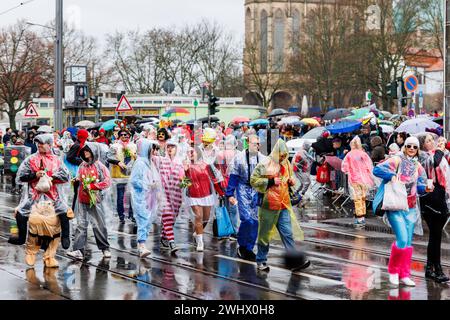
(275, 198)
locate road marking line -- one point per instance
(336, 282)
(337, 232)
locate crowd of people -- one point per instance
(156, 173)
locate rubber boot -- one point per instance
(50, 253)
(31, 249)
(22, 226)
(394, 264)
(65, 231)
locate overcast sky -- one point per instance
(98, 17)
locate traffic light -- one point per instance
(14, 156)
(212, 104)
(391, 90)
(119, 95)
(401, 83)
(94, 102)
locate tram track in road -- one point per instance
(121, 275)
(173, 264)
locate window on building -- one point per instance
(248, 21)
(278, 41)
(296, 31)
(43, 105)
(263, 48)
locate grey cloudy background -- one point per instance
(99, 17)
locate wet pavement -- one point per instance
(346, 263)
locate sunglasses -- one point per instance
(412, 147)
(124, 135)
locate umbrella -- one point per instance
(256, 122)
(85, 124)
(204, 120)
(311, 122)
(417, 125)
(334, 161)
(278, 112)
(45, 129)
(337, 114)
(146, 120)
(344, 126)
(439, 120)
(290, 120)
(109, 125)
(362, 113)
(396, 117)
(176, 112)
(305, 108)
(386, 122)
(240, 119)
(387, 128)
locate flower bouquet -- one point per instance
(87, 181)
(185, 182)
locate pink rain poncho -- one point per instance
(358, 165)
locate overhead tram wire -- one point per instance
(15, 7)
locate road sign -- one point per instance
(411, 83)
(368, 96)
(31, 111)
(195, 103)
(124, 105)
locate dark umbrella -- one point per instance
(337, 114)
(439, 120)
(204, 120)
(278, 112)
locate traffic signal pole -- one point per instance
(58, 65)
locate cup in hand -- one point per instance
(429, 184)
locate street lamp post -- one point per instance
(58, 65)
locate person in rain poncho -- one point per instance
(95, 181)
(302, 163)
(171, 171)
(358, 166)
(163, 135)
(273, 177)
(208, 149)
(146, 191)
(247, 198)
(121, 154)
(200, 194)
(36, 166)
(66, 141)
(407, 170)
(224, 163)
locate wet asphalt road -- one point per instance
(346, 264)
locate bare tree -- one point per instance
(24, 68)
(263, 85)
(433, 22)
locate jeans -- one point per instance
(402, 223)
(285, 229)
(120, 205)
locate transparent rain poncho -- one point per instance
(101, 187)
(358, 166)
(147, 195)
(54, 168)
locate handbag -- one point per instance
(222, 226)
(44, 184)
(395, 197)
(323, 174)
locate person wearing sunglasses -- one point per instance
(406, 169)
(122, 154)
(434, 204)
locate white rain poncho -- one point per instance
(146, 188)
(54, 168)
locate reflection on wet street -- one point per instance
(345, 264)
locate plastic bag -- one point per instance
(395, 197)
(222, 226)
(323, 174)
(44, 184)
